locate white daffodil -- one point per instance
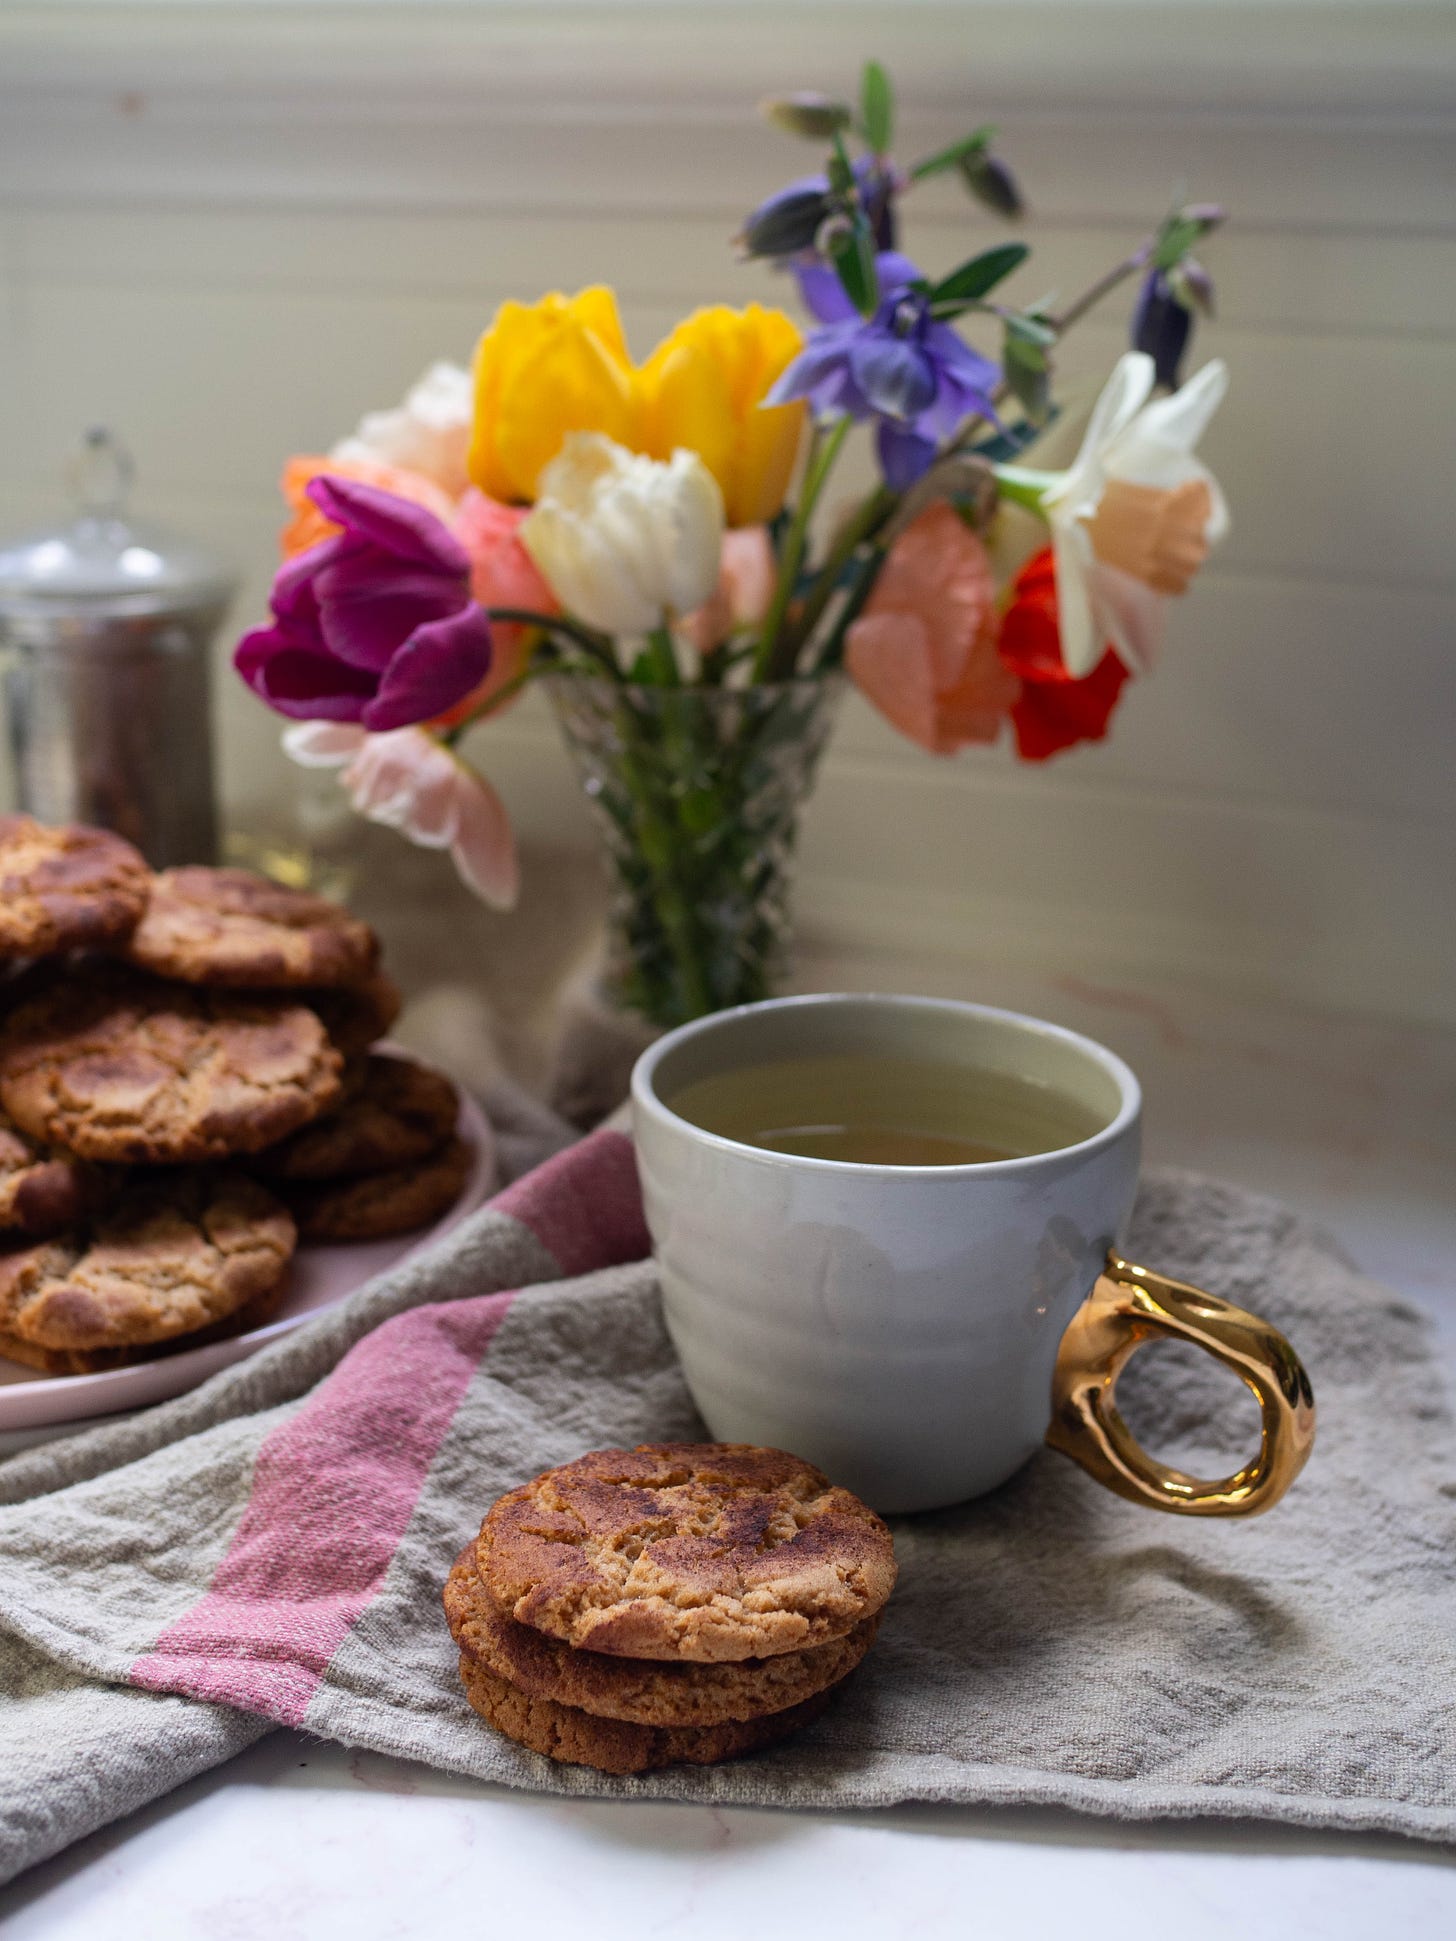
(409, 781)
(428, 433)
(1134, 518)
(625, 541)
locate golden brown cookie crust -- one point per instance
(356, 1016)
(117, 1067)
(41, 1190)
(95, 1361)
(393, 1114)
(642, 1691)
(577, 1739)
(66, 888)
(382, 1204)
(231, 928)
(704, 1551)
(177, 1253)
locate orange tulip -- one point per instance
(308, 525)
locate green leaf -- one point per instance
(877, 108)
(852, 252)
(948, 158)
(982, 273)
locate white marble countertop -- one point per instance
(1352, 1121)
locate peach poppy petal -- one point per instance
(890, 661)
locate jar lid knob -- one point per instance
(101, 475)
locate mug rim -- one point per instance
(646, 1099)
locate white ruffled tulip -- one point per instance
(428, 433)
(622, 540)
(1135, 516)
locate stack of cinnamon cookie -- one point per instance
(677, 1602)
(186, 1087)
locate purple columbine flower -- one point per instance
(374, 625)
(1161, 326)
(917, 376)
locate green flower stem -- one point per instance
(865, 523)
(599, 648)
(661, 657)
(769, 665)
(1023, 486)
(853, 606)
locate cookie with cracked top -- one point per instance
(356, 1015)
(377, 1206)
(177, 1253)
(641, 1691)
(114, 1066)
(577, 1738)
(393, 1113)
(42, 1189)
(95, 1361)
(66, 888)
(238, 930)
(702, 1551)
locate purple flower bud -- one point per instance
(1208, 215)
(789, 220)
(817, 117)
(1192, 285)
(1161, 326)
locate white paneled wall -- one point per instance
(228, 230)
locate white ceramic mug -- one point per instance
(919, 1331)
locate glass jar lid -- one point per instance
(104, 562)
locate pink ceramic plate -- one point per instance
(318, 1277)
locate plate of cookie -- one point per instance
(203, 1140)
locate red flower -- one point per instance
(1052, 711)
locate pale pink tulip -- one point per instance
(411, 782)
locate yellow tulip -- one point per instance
(543, 370)
(700, 391)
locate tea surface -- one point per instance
(884, 1111)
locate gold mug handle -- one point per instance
(1130, 1305)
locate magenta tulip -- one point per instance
(374, 625)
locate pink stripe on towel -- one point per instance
(335, 1485)
(332, 1491)
(584, 1206)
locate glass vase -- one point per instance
(697, 792)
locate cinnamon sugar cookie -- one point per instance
(41, 1190)
(380, 1205)
(66, 888)
(231, 928)
(394, 1112)
(178, 1252)
(578, 1739)
(114, 1066)
(641, 1691)
(703, 1551)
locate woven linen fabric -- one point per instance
(271, 1548)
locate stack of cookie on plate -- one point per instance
(186, 1089)
(673, 1603)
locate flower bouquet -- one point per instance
(649, 541)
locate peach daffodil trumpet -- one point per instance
(542, 371)
(626, 542)
(1134, 518)
(702, 390)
